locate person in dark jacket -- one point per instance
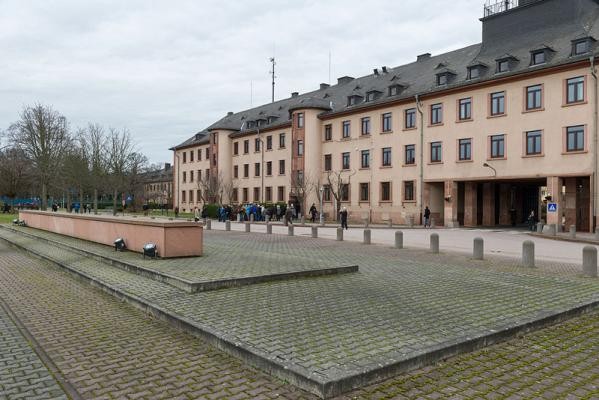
(427, 217)
(343, 215)
(313, 212)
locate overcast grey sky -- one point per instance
(167, 69)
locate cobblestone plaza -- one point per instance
(336, 330)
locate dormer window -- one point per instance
(251, 124)
(353, 100)
(537, 57)
(441, 79)
(473, 72)
(581, 46)
(260, 122)
(272, 119)
(503, 66)
(372, 95)
(505, 63)
(394, 90)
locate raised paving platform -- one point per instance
(220, 267)
(404, 309)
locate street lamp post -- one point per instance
(321, 202)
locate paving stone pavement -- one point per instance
(22, 374)
(400, 304)
(110, 350)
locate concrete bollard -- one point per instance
(435, 243)
(251, 217)
(314, 232)
(227, 225)
(366, 236)
(478, 252)
(248, 227)
(539, 227)
(589, 261)
(339, 234)
(290, 230)
(573, 231)
(433, 223)
(267, 219)
(303, 220)
(528, 253)
(389, 223)
(208, 224)
(597, 233)
(411, 221)
(399, 240)
(269, 228)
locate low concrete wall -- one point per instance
(174, 239)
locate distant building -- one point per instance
(482, 135)
(158, 186)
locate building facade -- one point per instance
(158, 187)
(482, 135)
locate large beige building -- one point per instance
(482, 135)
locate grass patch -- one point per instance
(7, 218)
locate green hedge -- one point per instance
(212, 210)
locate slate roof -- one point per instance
(516, 32)
(161, 175)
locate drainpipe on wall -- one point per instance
(421, 180)
(595, 139)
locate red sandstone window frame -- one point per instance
(367, 192)
(541, 107)
(525, 153)
(459, 118)
(382, 191)
(490, 113)
(584, 100)
(565, 140)
(490, 144)
(412, 198)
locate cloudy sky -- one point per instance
(166, 69)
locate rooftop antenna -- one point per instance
(272, 72)
(329, 67)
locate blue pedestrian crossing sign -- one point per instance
(552, 207)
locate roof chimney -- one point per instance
(229, 113)
(167, 166)
(294, 94)
(384, 68)
(376, 72)
(344, 79)
(324, 86)
(423, 57)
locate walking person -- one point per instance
(196, 214)
(313, 212)
(343, 215)
(531, 220)
(427, 217)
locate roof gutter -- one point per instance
(421, 176)
(595, 140)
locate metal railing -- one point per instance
(492, 7)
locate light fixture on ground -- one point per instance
(119, 244)
(150, 250)
(18, 222)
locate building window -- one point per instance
(199, 154)
(364, 192)
(408, 190)
(387, 122)
(184, 176)
(207, 173)
(534, 97)
(268, 193)
(436, 114)
(191, 153)
(300, 148)
(345, 161)
(575, 90)
(281, 167)
(191, 196)
(386, 156)
(184, 157)
(365, 159)
(410, 117)
(580, 47)
(235, 195)
(537, 57)
(394, 90)
(246, 146)
(199, 175)
(300, 120)
(575, 138)
(498, 103)
(198, 195)
(465, 109)
(207, 154)
(346, 129)
(183, 194)
(235, 149)
(257, 145)
(256, 169)
(281, 193)
(256, 194)
(473, 72)
(365, 126)
(190, 176)
(246, 170)
(269, 142)
(436, 152)
(385, 191)
(533, 143)
(410, 156)
(328, 162)
(235, 172)
(465, 149)
(326, 194)
(245, 195)
(269, 168)
(503, 66)
(498, 146)
(344, 195)
(370, 96)
(328, 132)
(441, 79)
(281, 140)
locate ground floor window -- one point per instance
(385, 191)
(408, 190)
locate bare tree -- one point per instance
(301, 186)
(228, 190)
(15, 172)
(211, 188)
(123, 160)
(42, 133)
(337, 181)
(94, 144)
(74, 172)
